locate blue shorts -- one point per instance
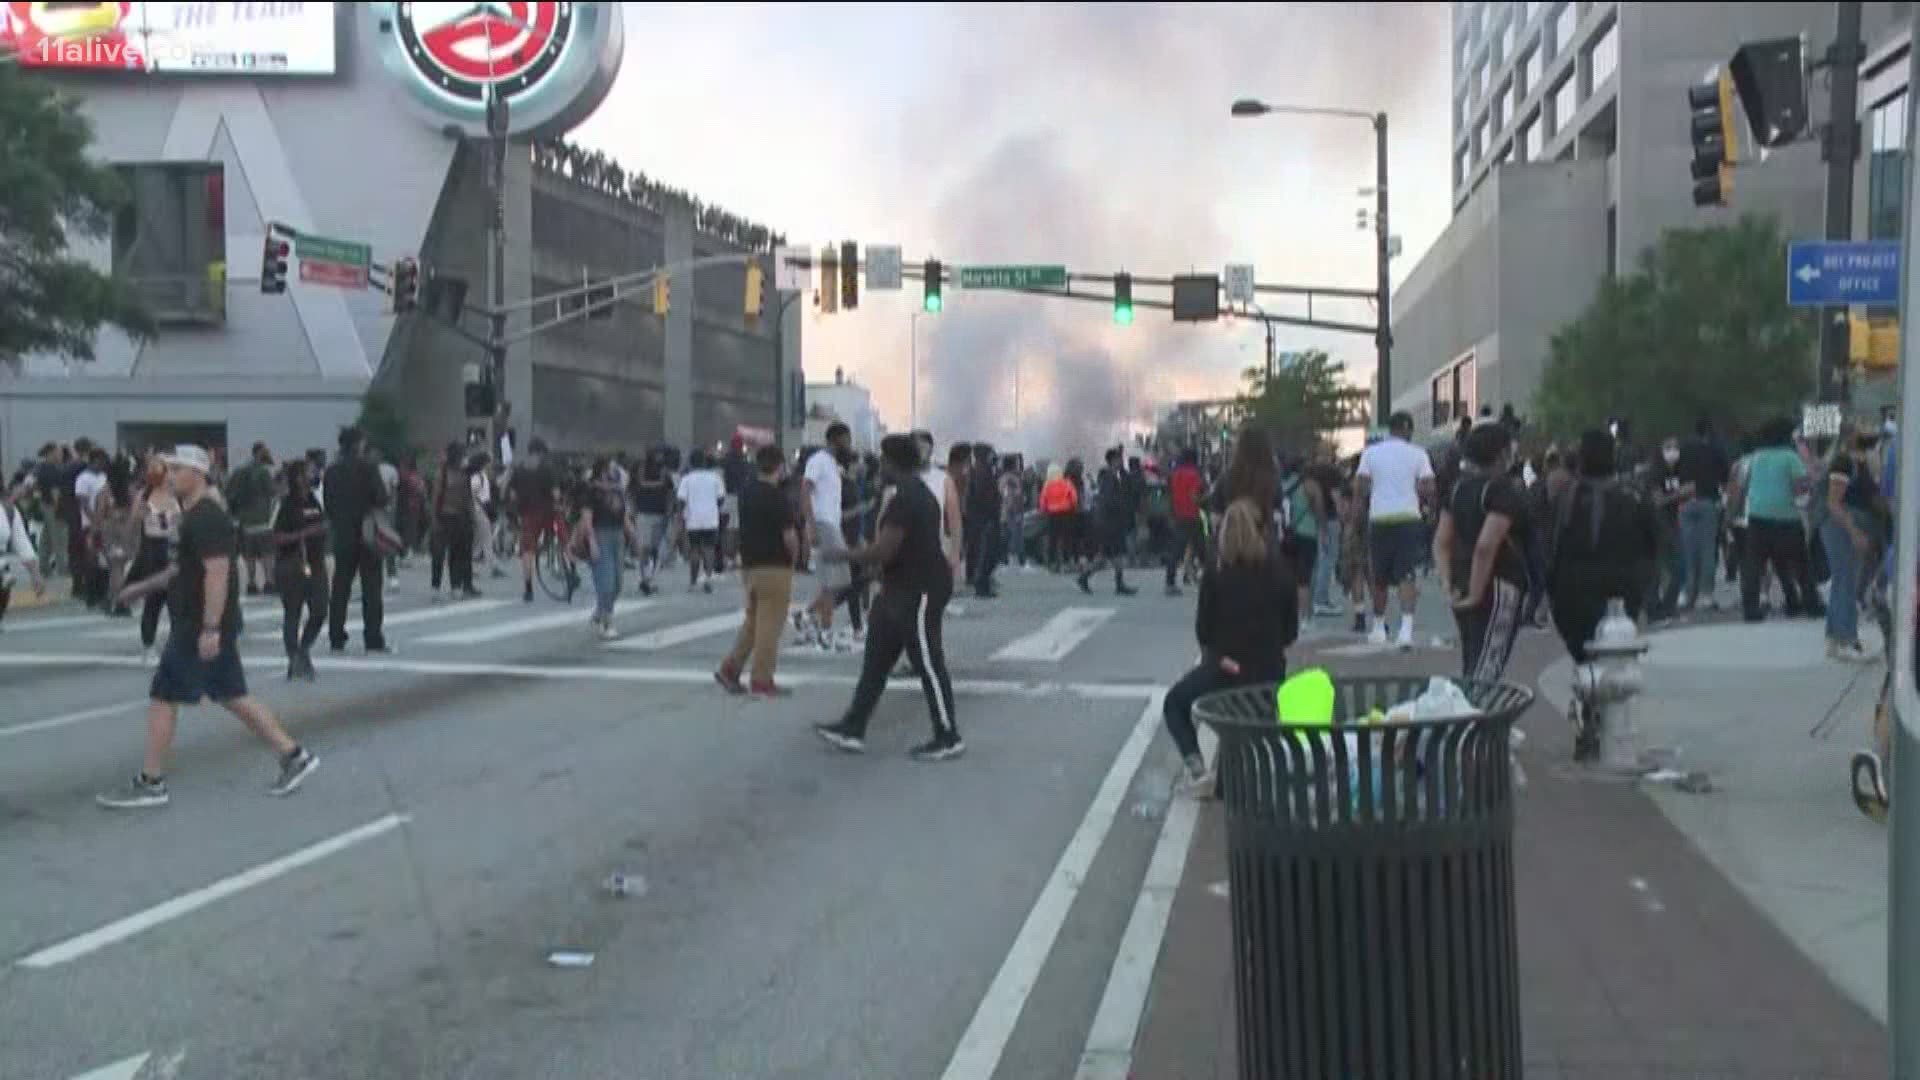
(1398, 549)
(184, 679)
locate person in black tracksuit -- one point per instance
(982, 522)
(916, 582)
(1247, 617)
(1115, 513)
(1479, 547)
(300, 567)
(351, 491)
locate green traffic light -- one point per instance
(933, 303)
(1123, 315)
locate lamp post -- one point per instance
(1247, 108)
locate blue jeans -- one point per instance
(1323, 567)
(1843, 590)
(606, 569)
(1699, 545)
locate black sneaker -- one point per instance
(526, 593)
(939, 749)
(303, 665)
(840, 738)
(138, 793)
(382, 649)
(1124, 590)
(1085, 586)
(294, 771)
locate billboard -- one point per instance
(172, 38)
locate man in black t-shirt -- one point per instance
(351, 491)
(769, 546)
(1479, 548)
(1117, 510)
(535, 489)
(202, 655)
(916, 581)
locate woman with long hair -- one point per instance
(118, 532)
(1248, 615)
(158, 512)
(606, 529)
(1252, 473)
(300, 567)
(451, 501)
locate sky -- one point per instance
(1093, 136)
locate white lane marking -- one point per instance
(124, 1069)
(70, 718)
(406, 618)
(1116, 1023)
(1059, 636)
(985, 1039)
(107, 628)
(186, 903)
(530, 624)
(670, 676)
(680, 633)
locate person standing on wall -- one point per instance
(352, 491)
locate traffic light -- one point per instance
(931, 274)
(662, 294)
(1771, 78)
(273, 261)
(406, 286)
(756, 287)
(849, 275)
(1123, 299)
(829, 293)
(1712, 130)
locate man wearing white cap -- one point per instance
(202, 655)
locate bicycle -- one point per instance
(554, 564)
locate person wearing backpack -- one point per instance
(1479, 550)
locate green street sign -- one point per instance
(327, 249)
(1013, 277)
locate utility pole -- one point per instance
(497, 128)
(1840, 147)
(1383, 303)
(1270, 353)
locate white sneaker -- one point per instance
(146, 657)
(956, 610)
(1405, 640)
(606, 631)
(1850, 653)
(1377, 635)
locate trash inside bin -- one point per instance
(1371, 870)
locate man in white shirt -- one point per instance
(1395, 478)
(700, 493)
(820, 514)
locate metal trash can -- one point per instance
(1371, 884)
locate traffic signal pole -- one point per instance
(1839, 148)
(497, 264)
(1383, 303)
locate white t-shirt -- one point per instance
(1396, 467)
(701, 491)
(86, 488)
(936, 481)
(823, 472)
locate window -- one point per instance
(1507, 31)
(1604, 57)
(1563, 27)
(1536, 63)
(1528, 10)
(1442, 399)
(1466, 393)
(1480, 137)
(1528, 140)
(1887, 167)
(1480, 79)
(1502, 112)
(1462, 161)
(1459, 113)
(170, 239)
(1565, 104)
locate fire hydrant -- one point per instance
(1604, 689)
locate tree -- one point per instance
(385, 426)
(1303, 403)
(50, 189)
(1702, 328)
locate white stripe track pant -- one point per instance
(1487, 632)
(905, 622)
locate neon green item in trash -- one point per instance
(1306, 700)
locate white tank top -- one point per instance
(936, 481)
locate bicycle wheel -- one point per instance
(559, 578)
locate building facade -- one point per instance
(847, 402)
(1569, 158)
(339, 148)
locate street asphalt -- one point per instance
(804, 913)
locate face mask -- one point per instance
(1672, 456)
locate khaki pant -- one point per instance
(769, 589)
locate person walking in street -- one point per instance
(606, 535)
(981, 523)
(700, 494)
(202, 655)
(1702, 469)
(300, 567)
(158, 510)
(916, 581)
(1184, 491)
(249, 494)
(653, 490)
(1060, 504)
(1479, 550)
(769, 548)
(89, 580)
(1246, 618)
(1849, 515)
(822, 502)
(452, 539)
(535, 492)
(1395, 477)
(352, 492)
(1776, 476)
(16, 553)
(1302, 510)
(1114, 506)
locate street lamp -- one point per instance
(1247, 108)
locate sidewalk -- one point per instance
(1637, 957)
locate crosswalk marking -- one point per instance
(680, 633)
(531, 624)
(114, 627)
(1061, 635)
(406, 618)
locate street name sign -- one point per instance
(1013, 277)
(792, 269)
(1240, 283)
(1829, 273)
(326, 261)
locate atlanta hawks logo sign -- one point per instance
(551, 63)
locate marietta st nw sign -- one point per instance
(1013, 277)
(326, 261)
(1835, 273)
